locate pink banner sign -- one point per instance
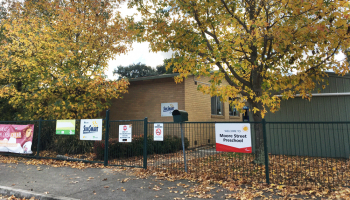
(16, 138)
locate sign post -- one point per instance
(183, 146)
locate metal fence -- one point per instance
(309, 153)
(128, 154)
(297, 153)
(46, 144)
(201, 156)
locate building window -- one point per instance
(216, 106)
(232, 109)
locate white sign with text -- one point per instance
(168, 108)
(125, 134)
(233, 137)
(91, 129)
(158, 132)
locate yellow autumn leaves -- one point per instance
(261, 48)
(54, 55)
(57, 52)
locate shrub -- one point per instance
(47, 135)
(170, 144)
(117, 149)
(71, 144)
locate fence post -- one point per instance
(266, 153)
(39, 135)
(106, 139)
(145, 123)
(183, 145)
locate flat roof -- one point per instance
(176, 74)
(153, 77)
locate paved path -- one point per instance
(65, 183)
(91, 183)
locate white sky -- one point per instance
(139, 53)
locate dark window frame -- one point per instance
(233, 112)
(217, 106)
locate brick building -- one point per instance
(152, 96)
(146, 96)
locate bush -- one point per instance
(71, 144)
(116, 149)
(170, 144)
(47, 135)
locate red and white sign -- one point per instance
(16, 138)
(158, 132)
(125, 133)
(233, 137)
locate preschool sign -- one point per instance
(16, 138)
(233, 137)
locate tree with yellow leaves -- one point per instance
(54, 54)
(261, 48)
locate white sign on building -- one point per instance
(168, 108)
(158, 132)
(233, 137)
(125, 134)
(91, 129)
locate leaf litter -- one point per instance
(205, 180)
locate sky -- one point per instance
(140, 52)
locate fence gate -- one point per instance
(127, 143)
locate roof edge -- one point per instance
(176, 74)
(153, 77)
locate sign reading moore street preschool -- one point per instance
(233, 137)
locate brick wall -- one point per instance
(198, 106)
(144, 99)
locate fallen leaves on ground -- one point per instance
(125, 180)
(235, 174)
(12, 197)
(50, 162)
(308, 176)
(156, 188)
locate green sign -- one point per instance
(65, 127)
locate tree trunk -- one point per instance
(259, 140)
(259, 137)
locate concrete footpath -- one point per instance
(46, 182)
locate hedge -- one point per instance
(116, 149)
